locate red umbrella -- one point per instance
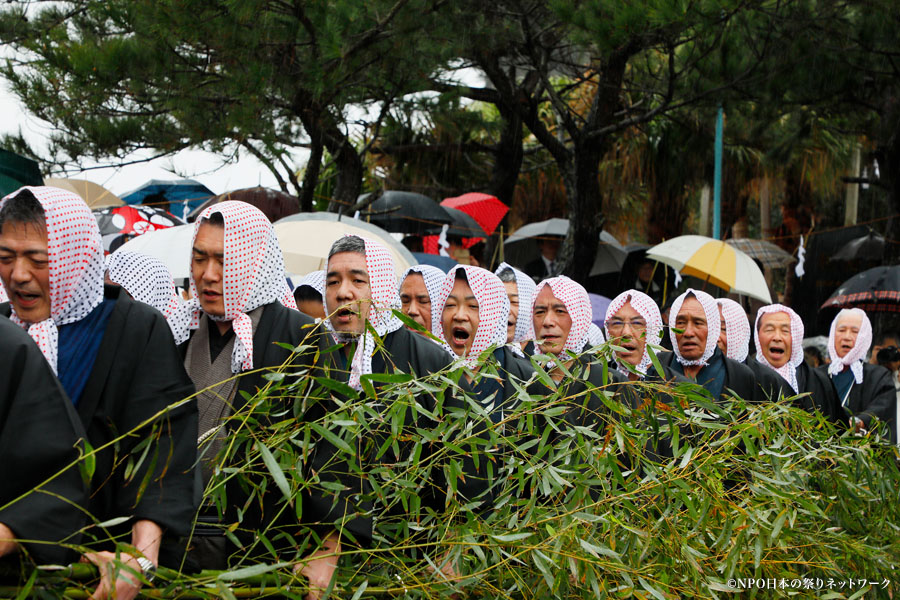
(120, 224)
(485, 209)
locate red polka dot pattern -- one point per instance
(434, 281)
(713, 324)
(789, 370)
(525, 287)
(493, 310)
(578, 305)
(737, 329)
(253, 276)
(75, 256)
(647, 308)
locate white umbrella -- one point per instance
(172, 246)
(714, 261)
(521, 248)
(306, 238)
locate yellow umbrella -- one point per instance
(306, 238)
(714, 261)
(95, 195)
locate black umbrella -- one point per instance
(405, 212)
(461, 225)
(875, 290)
(868, 247)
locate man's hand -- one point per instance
(319, 568)
(116, 581)
(8, 543)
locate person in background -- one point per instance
(694, 329)
(420, 287)
(544, 265)
(632, 322)
(119, 366)
(864, 390)
(779, 335)
(645, 283)
(734, 341)
(520, 291)
(309, 295)
(144, 278)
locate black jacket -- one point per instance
(821, 393)
(875, 397)
(40, 436)
(771, 384)
(738, 377)
(138, 374)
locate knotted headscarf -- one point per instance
(315, 280)
(146, 278)
(737, 329)
(75, 264)
(493, 310)
(595, 335)
(252, 276)
(647, 308)
(434, 281)
(713, 326)
(789, 370)
(385, 299)
(857, 354)
(526, 287)
(578, 305)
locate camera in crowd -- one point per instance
(888, 355)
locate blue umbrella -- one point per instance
(168, 195)
(444, 263)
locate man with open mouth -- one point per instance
(734, 342)
(864, 390)
(117, 362)
(779, 346)
(694, 326)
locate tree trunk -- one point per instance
(508, 159)
(585, 211)
(311, 177)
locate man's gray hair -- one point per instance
(507, 275)
(348, 243)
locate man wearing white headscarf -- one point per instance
(632, 322)
(734, 342)
(310, 295)
(694, 326)
(779, 346)
(360, 297)
(118, 364)
(240, 311)
(520, 290)
(864, 390)
(420, 287)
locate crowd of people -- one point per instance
(102, 356)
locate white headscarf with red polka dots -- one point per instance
(595, 335)
(145, 278)
(789, 370)
(3, 296)
(525, 287)
(578, 305)
(253, 276)
(857, 354)
(385, 300)
(737, 329)
(315, 280)
(647, 308)
(493, 310)
(434, 281)
(75, 263)
(713, 326)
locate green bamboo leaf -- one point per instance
(332, 437)
(25, 592)
(512, 537)
(113, 522)
(653, 591)
(275, 470)
(599, 550)
(252, 571)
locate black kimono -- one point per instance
(738, 377)
(138, 373)
(277, 325)
(39, 436)
(771, 384)
(401, 351)
(874, 397)
(821, 393)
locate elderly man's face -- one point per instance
(628, 329)
(552, 321)
(25, 269)
(775, 338)
(691, 319)
(348, 294)
(415, 301)
(460, 317)
(846, 330)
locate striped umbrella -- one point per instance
(714, 261)
(765, 252)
